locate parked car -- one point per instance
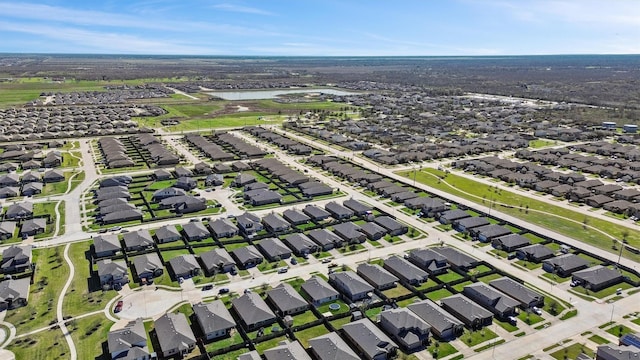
(294, 261)
(513, 320)
(102, 231)
(118, 306)
(283, 270)
(536, 310)
(207, 287)
(326, 261)
(223, 291)
(116, 228)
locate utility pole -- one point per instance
(620, 254)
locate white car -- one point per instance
(536, 310)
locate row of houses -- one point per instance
(29, 184)
(283, 142)
(114, 153)
(159, 154)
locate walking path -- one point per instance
(72, 349)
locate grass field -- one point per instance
(78, 300)
(48, 344)
(88, 334)
(566, 222)
(572, 352)
(50, 275)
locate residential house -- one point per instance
(167, 233)
(32, 188)
(316, 213)
(373, 231)
(597, 277)
(352, 286)
(243, 179)
(183, 204)
(214, 180)
(138, 240)
(393, 227)
(262, 197)
(121, 216)
(202, 168)
(300, 244)
(457, 259)
(370, 341)
(214, 319)
(147, 266)
(217, 260)
(286, 350)
(432, 206)
(7, 229)
(33, 227)
(166, 193)
(349, 232)
(223, 228)
(185, 266)
(253, 312)
(443, 325)
(597, 201)
(249, 223)
(499, 304)
(617, 352)
(274, 249)
(429, 260)
(449, 216)
(318, 291)
(489, 232)
(510, 242)
(195, 231)
(23, 210)
(12, 179)
(527, 297)
(357, 207)
(9, 191)
(106, 245)
(468, 224)
(377, 276)
(565, 265)
(405, 270)
(405, 327)
(247, 256)
(325, 239)
(14, 293)
(338, 211)
(535, 253)
(16, 259)
(255, 186)
(186, 183)
(174, 335)
(286, 300)
(129, 341)
(295, 217)
(471, 314)
(182, 172)
(112, 273)
(162, 174)
(331, 347)
(275, 223)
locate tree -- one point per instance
(625, 235)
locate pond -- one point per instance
(270, 94)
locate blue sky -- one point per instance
(322, 27)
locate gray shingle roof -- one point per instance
(292, 350)
(184, 264)
(434, 315)
(252, 309)
(331, 347)
(106, 243)
(173, 332)
(286, 298)
(317, 288)
(247, 253)
(405, 269)
(465, 307)
(213, 316)
(125, 338)
(369, 338)
(597, 274)
(141, 238)
(516, 290)
(490, 297)
(351, 281)
(375, 274)
(216, 257)
(147, 263)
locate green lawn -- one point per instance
(408, 301)
(599, 340)
(50, 275)
(48, 344)
(304, 318)
(572, 352)
(473, 338)
(304, 335)
(529, 318)
(79, 300)
(338, 323)
(450, 276)
(266, 345)
(604, 292)
(324, 308)
(619, 330)
(438, 294)
(538, 212)
(88, 334)
(439, 349)
(486, 279)
(396, 291)
(232, 339)
(427, 284)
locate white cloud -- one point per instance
(241, 9)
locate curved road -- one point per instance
(63, 326)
